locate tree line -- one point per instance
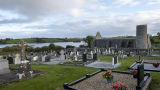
(32, 49)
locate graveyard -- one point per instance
(95, 68)
(56, 75)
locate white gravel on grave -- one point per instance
(97, 82)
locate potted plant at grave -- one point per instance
(108, 75)
(134, 73)
(119, 86)
(156, 64)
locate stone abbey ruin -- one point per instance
(142, 40)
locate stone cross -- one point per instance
(22, 46)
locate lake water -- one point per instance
(63, 44)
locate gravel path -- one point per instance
(96, 82)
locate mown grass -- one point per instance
(57, 75)
(156, 53)
(16, 41)
(33, 40)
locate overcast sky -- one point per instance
(77, 18)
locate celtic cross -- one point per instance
(22, 46)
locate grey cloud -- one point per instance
(37, 9)
(4, 21)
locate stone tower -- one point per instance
(98, 36)
(141, 37)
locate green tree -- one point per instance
(30, 49)
(89, 40)
(152, 41)
(45, 48)
(158, 34)
(59, 48)
(52, 46)
(7, 49)
(37, 49)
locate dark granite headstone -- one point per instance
(4, 57)
(115, 59)
(84, 57)
(31, 53)
(140, 75)
(58, 53)
(47, 58)
(10, 60)
(94, 56)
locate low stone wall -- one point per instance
(11, 77)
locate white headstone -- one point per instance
(112, 51)
(35, 58)
(17, 59)
(99, 51)
(62, 57)
(4, 67)
(43, 58)
(109, 51)
(75, 58)
(94, 50)
(91, 54)
(1, 57)
(77, 53)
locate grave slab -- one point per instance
(147, 66)
(101, 64)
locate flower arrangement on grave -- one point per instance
(134, 71)
(119, 86)
(155, 64)
(107, 74)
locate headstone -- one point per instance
(112, 51)
(77, 53)
(24, 67)
(95, 56)
(94, 50)
(17, 59)
(9, 55)
(84, 57)
(4, 67)
(75, 58)
(47, 58)
(4, 57)
(92, 54)
(140, 75)
(43, 58)
(1, 57)
(10, 59)
(62, 57)
(114, 60)
(35, 58)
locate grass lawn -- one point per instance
(57, 75)
(156, 53)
